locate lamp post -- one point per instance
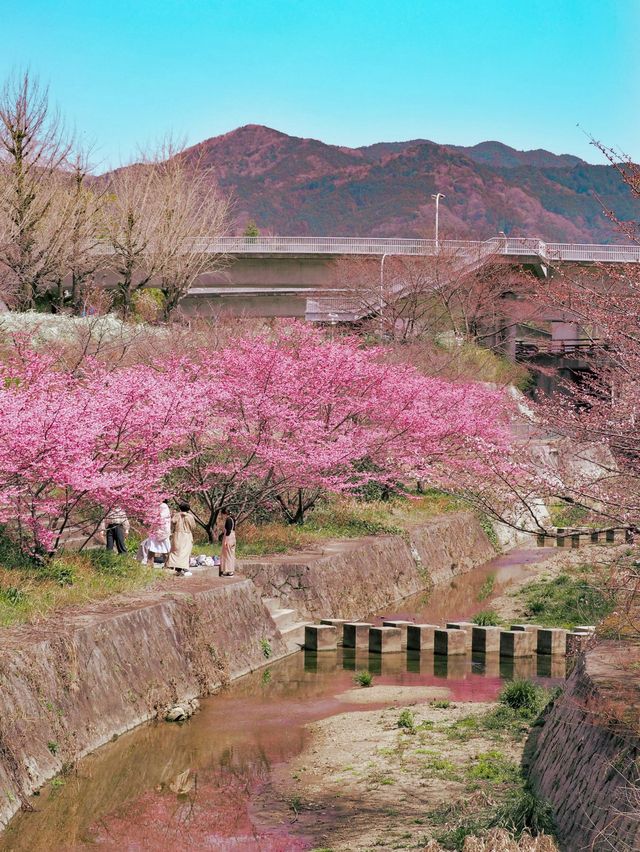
(437, 197)
(382, 260)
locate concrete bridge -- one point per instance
(292, 276)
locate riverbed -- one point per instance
(204, 784)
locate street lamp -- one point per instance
(437, 197)
(382, 260)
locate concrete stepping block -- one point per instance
(402, 625)
(420, 636)
(450, 642)
(528, 628)
(338, 623)
(385, 640)
(517, 643)
(355, 634)
(584, 628)
(320, 637)
(467, 626)
(485, 640)
(552, 640)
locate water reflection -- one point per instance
(185, 787)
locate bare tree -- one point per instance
(131, 222)
(193, 213)
(454, 291)
(160, 216)
(33, 150)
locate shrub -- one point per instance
(364, 678)
(407, 721)
(525, 697)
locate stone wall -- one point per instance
(70, 685)
(351, 579)
(584, 756)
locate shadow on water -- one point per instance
(191, 786)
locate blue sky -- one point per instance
(350, 72)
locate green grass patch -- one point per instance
(492, 766)
(486, 618)
(30, 592)
(486, 589)
(566, 601)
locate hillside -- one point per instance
(295, 186)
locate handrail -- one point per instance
(376, 246)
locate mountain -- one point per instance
(295, 186)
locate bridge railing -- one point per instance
(378, 246)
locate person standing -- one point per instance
(228, 554)
(183, 525)
(159, 542)
(115, 528)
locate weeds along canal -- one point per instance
(193, 786)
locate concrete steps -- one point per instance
(288, 623)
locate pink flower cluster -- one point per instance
(267, 415)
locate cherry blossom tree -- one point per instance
(296, 415)
(74, 444)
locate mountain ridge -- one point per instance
(294, 185)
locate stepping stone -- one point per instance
(450, 642)
(595, 536)
(517, 643)
(385, 640)
(528, 628)
(420, 636)
(402, 625)
(584, 628)
(355, 634)
(485, 639)
(552, 641)
(467, 627)
(320, 637)
(338, 623)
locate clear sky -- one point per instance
(351, 72)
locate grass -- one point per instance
(492, 766)
(525, 697)
(486, 618)
(566, 601)
(486, 589)
(567, 515)
(338, 518)
(29, 592)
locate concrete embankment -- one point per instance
(350, 579)
(71, 683)
(584, 756)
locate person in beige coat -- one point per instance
(228, 554)
(183, 525)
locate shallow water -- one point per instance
(191, 786)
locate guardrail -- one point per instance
(509, 246)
